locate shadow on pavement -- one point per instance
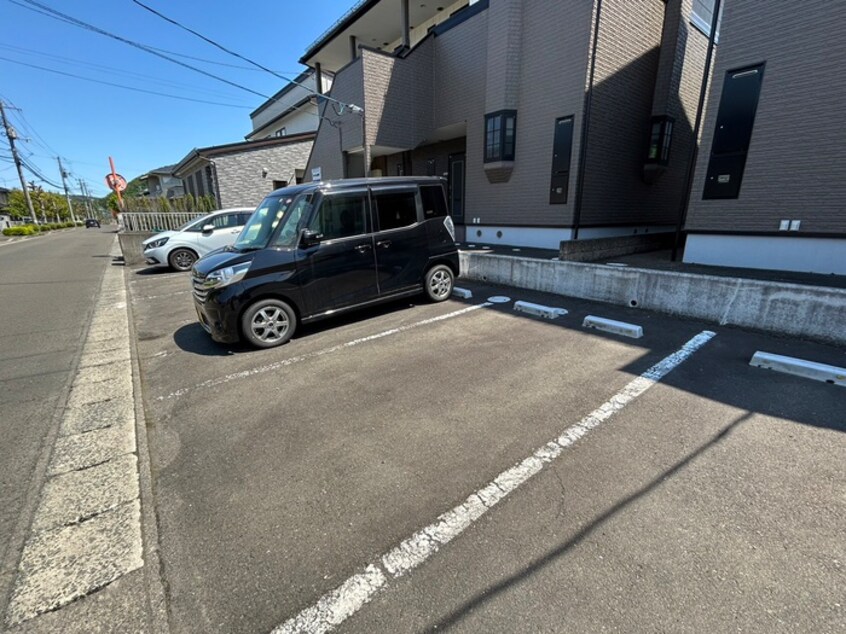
(192, 338)
(491, 592)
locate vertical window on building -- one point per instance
(702, 16)
(500, 136)
(660, 138)
(562, 147)
(430, 167)
(733, 132)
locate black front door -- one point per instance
(456, 186)
(341, 270)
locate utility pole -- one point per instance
(85, 199)
(12, 135)
(65, 185)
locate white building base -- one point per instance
(805, 255)
(548, 238)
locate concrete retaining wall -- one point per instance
(130, 246)
(607, 248)
(812, 312)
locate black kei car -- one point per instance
(319, 249)
(92, 222)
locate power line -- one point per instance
(32, 5)
(108, 83)
(178, 24)
(62, 59)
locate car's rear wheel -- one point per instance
(439, 282)
(268, 323)
(182, 259)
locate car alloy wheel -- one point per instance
(439, 282)
(182, 259)
(269, 323)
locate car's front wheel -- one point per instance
(268, 323)
(439, 282)
(182, 259)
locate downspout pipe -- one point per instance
(694, 148)
(580, 177)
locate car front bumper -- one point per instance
(218, 314)
(156, 257)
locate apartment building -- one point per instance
(292, 110)
(273, 155)
(769, 190)
(241, 174)
(550, 120)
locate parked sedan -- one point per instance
(181, 248)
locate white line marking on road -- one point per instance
(615, 327)
(318, 353)
(336, 606)
(5, 244)
(799, 367)
(339, 604)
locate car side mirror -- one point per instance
(310, 238)
(209, 228)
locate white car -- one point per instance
(181, 248)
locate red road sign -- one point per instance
(115, 182)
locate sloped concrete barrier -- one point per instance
(813, 312)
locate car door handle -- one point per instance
(383, 243)
(363, 248)
(235, 231)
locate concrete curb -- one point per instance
(812, 312)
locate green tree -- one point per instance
(190, 204)
(165, 205)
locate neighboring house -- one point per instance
(292, 110)
(161, 183)
(241, 174)
(770, 184)
(494, 94)
(5, 218)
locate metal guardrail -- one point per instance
(155, 221)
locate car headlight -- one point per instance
(155, 244)
(226, 276)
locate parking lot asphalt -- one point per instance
(714, 501)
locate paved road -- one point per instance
(714, 501)
(47, 288)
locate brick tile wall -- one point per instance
(797, 156)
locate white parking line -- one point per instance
(339, 604)
(319, 353)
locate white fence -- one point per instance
(155, 221)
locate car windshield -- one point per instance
(273, 210)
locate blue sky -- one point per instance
(85, 122)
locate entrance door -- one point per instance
(456, 186)
(341, 270)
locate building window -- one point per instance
(702, 15)
(660, 137)
(281, 132)
(500, 135)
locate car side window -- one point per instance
(243, 217)
(434, 202)
(341, 216)
(395, 209)
(225, 221)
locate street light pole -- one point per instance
(12, 135)
(65, 185)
